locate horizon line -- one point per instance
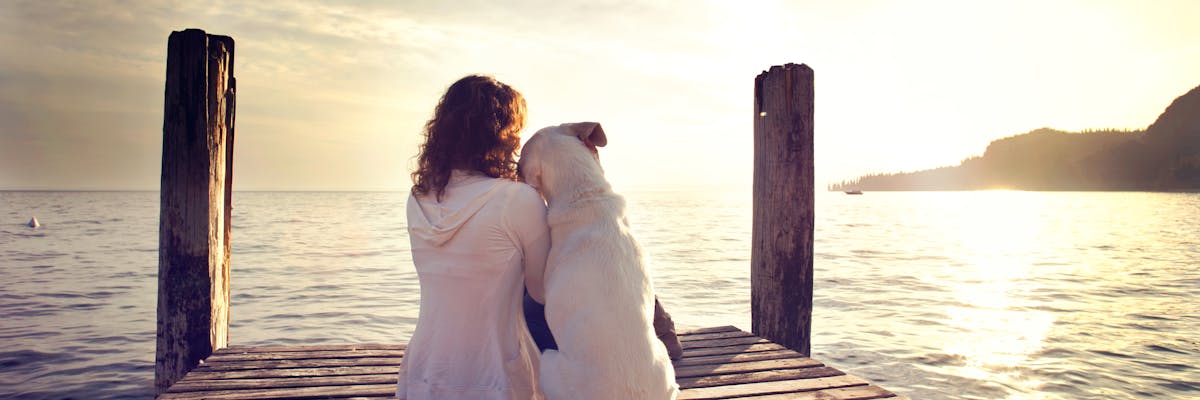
(125, 190)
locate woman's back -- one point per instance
(468, 249)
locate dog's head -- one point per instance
(563, 156)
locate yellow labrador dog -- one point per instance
(599, 298)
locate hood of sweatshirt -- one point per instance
(436, 222)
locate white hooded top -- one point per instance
(471, 250)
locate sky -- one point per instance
(333, 95)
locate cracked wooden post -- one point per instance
(193, 236)
(781, 260)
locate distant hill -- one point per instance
(1164, 156)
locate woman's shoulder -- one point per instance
(521, 192)
(524, 209)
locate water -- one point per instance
(972, 295)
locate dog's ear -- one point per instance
(531, 174)
(529, 167)
(590, 133)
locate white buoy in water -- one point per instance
(33, 222)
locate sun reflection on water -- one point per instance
(996, 333)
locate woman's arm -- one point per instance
(526, 217)
(535, 268)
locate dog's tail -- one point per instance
(555, 376)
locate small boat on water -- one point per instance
(33, 223)
(853, 192)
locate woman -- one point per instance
(478, 238)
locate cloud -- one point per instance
(344, 85)
(316, 78)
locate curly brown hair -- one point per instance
(476, 127)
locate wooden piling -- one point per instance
(781, 260)
(193, 246)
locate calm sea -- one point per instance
(935, 295)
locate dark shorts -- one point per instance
(535, 319)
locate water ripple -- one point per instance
(966, 295)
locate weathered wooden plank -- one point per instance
(189, 385)
(715, 329)
(781, 250)
(758, 376)
(291, 372)
(319, 392)
(714, 335)
(846, 393)
(774, 387)
(751, 366)
(302, 355)
(688, 360)
(708, 351)
(692, 335)
(319, 347)
(315, 363)
(748, 340)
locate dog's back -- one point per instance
(599, 304)
(599, 298)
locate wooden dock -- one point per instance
(718, 363)
(194, 268)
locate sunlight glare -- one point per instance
(998, 333)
